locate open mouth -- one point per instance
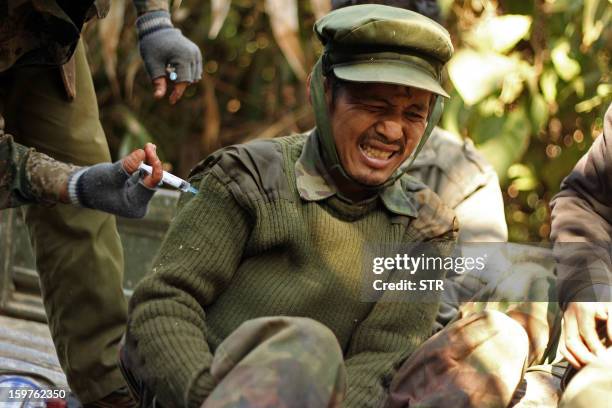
(375, 153)
(377, 150)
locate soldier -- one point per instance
(255, 297)
(582, 232)
(54, 110)
(462, 178)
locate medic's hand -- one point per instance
(164, 47)
(118, 188)
(580, 323)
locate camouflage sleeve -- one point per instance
(143, 6)
(465, 182)
(582, 220)
(15, 188)
(27, 176)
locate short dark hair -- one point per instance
(428, 8)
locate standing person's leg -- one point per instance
(78, 252)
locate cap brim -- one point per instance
(389, 72)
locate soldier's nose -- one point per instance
(391, 130)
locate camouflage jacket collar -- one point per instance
(314, 183)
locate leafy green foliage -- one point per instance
(530, 84)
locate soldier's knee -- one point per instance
(508, 329)
(318, 336)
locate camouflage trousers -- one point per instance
(281, 362)
(79, 257)
(497, 353)
(478, 361)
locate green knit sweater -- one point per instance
(248, 246)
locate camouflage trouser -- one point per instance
(78, 253)
(277, 362)
(591, 387)
(478, 361)
(498, 354)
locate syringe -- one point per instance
(171, 180)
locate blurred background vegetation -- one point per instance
(530, 83)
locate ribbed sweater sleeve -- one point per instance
(166, 330)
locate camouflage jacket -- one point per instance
(582, 224)
(45, 32)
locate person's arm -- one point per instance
(162, 46)
(31, 177)
(582, 232)
(167, 325)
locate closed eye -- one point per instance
(413, 115)
(373, 108)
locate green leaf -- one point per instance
(523, 177)
(591, 26)
(519, 170)
(510, 142)
(589, 104)
(475, 75)
(511, 88)
(500, 33)
(548, 83)
(566, 67)
(538, 112)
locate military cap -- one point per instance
(376, 43)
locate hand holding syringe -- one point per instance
(171, 180)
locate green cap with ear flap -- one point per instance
(376, 43)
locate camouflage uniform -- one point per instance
(297, 355)
(78, 252)
(582, 231)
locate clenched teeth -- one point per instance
(375, 153)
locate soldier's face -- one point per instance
(376, 127)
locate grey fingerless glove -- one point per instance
(108, 187)
(161, 44)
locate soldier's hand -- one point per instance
(118, 188)
(149, 156)
(164, 48)
(582, 343)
